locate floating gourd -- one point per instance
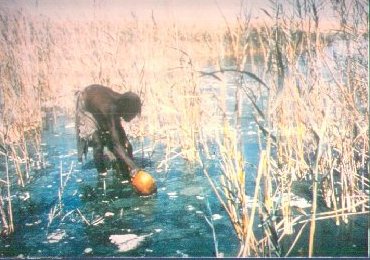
(144, 183)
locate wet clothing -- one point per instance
(86, 126)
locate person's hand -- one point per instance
(133, 172)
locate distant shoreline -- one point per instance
(209, 13)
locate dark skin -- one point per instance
(108, 107)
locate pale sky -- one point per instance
(180, 10)
(193, 11)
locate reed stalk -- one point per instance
(57, 209)
(9, 224)
(233, 197)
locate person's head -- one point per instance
(129, 105)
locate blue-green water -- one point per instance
(172, 221)
(92, 210)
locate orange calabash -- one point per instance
(144, 183)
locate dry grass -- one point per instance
(310, 106)
(315, 117)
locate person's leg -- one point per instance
(98, 147)
(119, 165)
(128, 147)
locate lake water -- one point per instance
(103, 216)
(171, 222)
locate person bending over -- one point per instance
(99, 111)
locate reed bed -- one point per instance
(44, 62)
(313, 114)
(320, 121)
(308, 99)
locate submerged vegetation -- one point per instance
(305, 89)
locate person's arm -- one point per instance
(119, 140)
